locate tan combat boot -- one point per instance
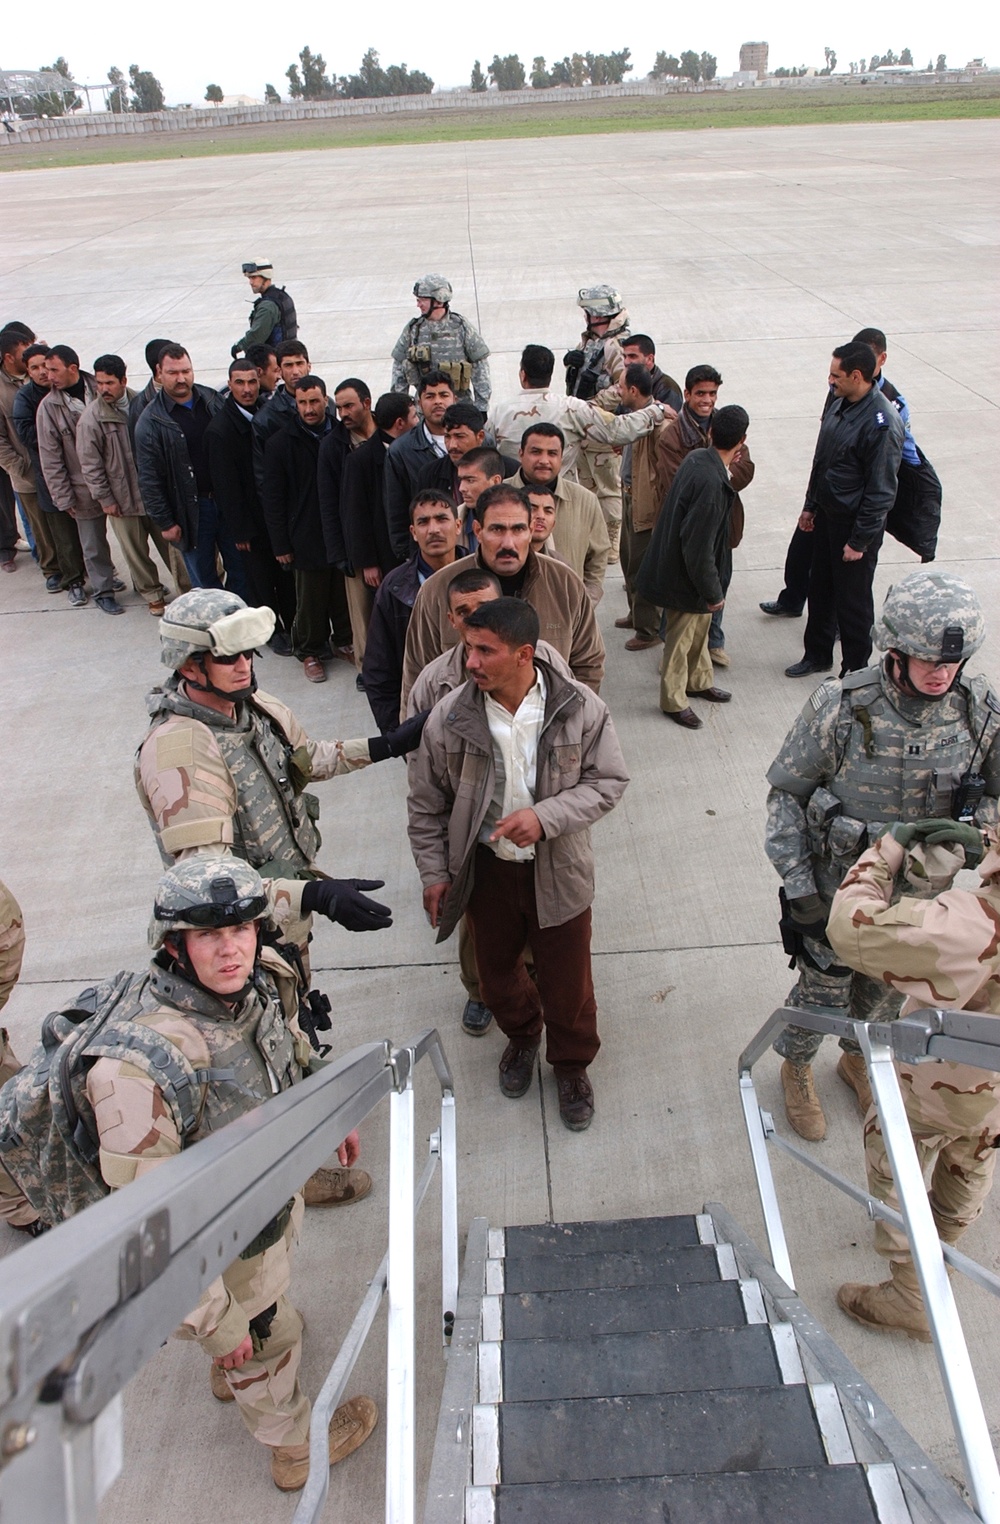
(614, 535)
(802, 1106)
(336, 1187)
(895, 1304)
(350, 1426)
(854, 1072)
(220, 1386)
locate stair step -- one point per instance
(623, 1365)
(650, 1234)
(800, 1495)
(568, 1272)
(630, 1309)
(754, 1429)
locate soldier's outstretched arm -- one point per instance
(602, 428)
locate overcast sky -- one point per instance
(190, 43)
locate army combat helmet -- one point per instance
(932, 615)
(210, 621)
(434, 287)
(600, 301)
(202, 892)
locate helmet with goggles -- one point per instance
(200, 893)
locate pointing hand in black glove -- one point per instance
(396, 743)
(341, 899)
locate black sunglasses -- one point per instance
(230, 661)
(234, 913)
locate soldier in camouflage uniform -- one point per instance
(594, 367)
(888, 743)
(229, 1004)
(938, 952)
(440, 339)
(11, 945)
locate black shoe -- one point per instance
(117, 586)
(807, 668)
(685, 717)
(576, 1102)
(476, 1018)
(713, 695)
(779, 610)
(108, 603)
(517, 1065)
(77, 595)
(359, 683)
(280, 644)
(54, 583)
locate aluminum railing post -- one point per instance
(957, 1377)
(449, 1217)
(400, 1449)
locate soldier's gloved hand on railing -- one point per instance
(341, 900)
(809, 914)
(942, 833)
(396, 743)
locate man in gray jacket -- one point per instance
(512, 771)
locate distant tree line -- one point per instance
(309, 81)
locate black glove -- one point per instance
(396, 743)
(809, 914)
(235, 351)
(573, 359)
(943, 833)
(340, 899)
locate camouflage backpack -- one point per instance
(48, 1136)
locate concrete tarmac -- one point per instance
(757, 251)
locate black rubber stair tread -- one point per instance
(821, 1495)
(756, 1429)
(629, 1309)
(627, 1235)
(623, 1365)
(568, 1272)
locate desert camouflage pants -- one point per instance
(960, 1150)
(272, 1404)
(862, 998)
(600, 470)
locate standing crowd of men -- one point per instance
(453, 548)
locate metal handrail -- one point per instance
(85, 1307)
(925, 1036)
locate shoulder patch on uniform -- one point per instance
(823, 694)
(992, 702)
(881, 421)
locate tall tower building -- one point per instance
(753, 57)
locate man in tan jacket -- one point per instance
(565, 612)
(641, 504)
(108, 466)
(580, 535)
(511, 772)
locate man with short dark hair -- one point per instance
(581, 535)
(639, 349)
(478, 469)
(434, 534)
(59, 414)
(264, 359)
(503, 529)
(141, 400)
(691, 430)
(463, 431)
(362, 513)
(291, 509)
(349, 430)
(409, 456)
(641, 503)
(512, 848)
(16, 474)
(108, 466)
(175, 476)
(229, 442)
(61, 526)
(686, 569)
(852, 486)
(293, 362)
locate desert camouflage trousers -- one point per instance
(954, 1132)
(862, 998)
(600, 470)
(272, 1404)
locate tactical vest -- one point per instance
(274, 828)
(287, 326)
(592, 376)
(441, 346)
(889, 750)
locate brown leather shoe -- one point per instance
(157, 608)
(316, 673)
(336, 1187)
(712, 695)
(350, 1426)
(624, 623)
(685, 717)
(640, 643)
(576, 1102)
(344, 653)
(517, 1065)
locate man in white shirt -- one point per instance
(512, 771)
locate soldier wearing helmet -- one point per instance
(273, 318)
(224, 766)
(231, 1004)
(912, 738)
(441, 340)
(596, 365)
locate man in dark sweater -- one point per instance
(687, 566)
(362, 512)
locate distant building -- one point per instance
(753, 58)
(240, 100)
